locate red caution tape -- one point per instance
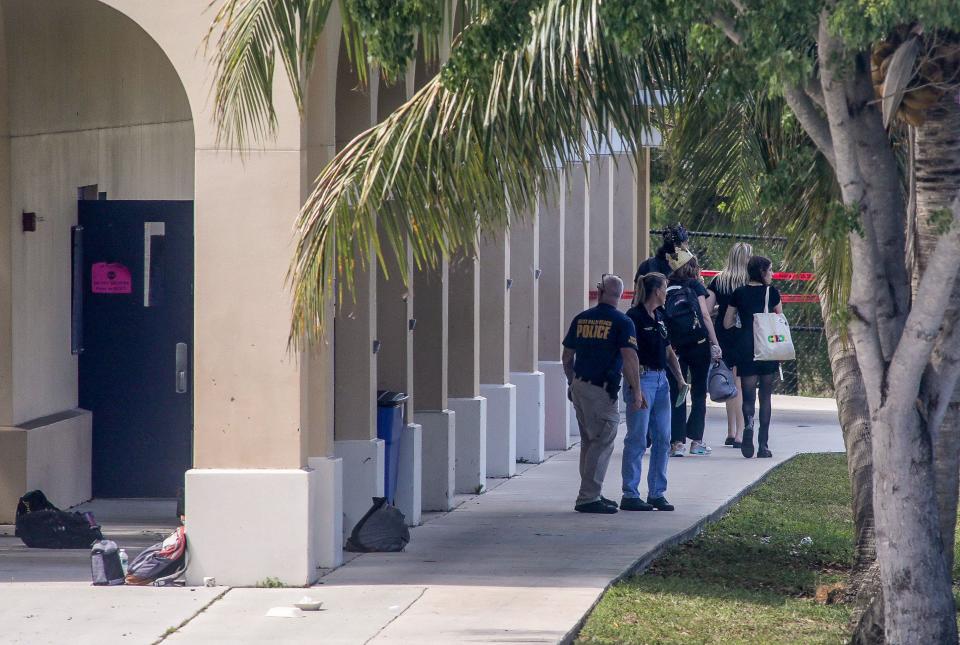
(785, 297)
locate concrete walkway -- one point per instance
(512, 565)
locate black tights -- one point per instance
(749, 384)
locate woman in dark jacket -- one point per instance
(695, 359)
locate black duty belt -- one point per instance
(597, 382)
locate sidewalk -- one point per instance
(512, 565)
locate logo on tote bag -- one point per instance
(776, 338)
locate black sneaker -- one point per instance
(660, 503)
(608, 502)
(764, 453)
(737, 444)
(730, 441)
(595, 507)
(634, 504)
(746, 446)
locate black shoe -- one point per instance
(746, 447)
(595, 507)
(660, 503)
(764, 452)
(634, 504)
(730, 442)
(737, 444)
(608, 502)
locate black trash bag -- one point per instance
(41, 525)
(105, 565)
(383, 528)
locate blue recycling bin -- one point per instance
(389, 427)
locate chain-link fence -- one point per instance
(810, 374)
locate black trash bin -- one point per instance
(389, 427)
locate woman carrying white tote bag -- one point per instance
(762, 340)
(771, 335)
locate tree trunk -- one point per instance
(864, 591)
(937, 172)
(893, 344)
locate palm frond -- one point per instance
(248, 38)
(448, 163)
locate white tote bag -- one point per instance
(771, 335)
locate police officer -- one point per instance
(600, 346)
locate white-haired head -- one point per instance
(610, 289)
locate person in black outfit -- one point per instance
(694, 360)
(733, 276)
(674, 237)
(650, 424)
(748, 300)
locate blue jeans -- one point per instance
(655, 419)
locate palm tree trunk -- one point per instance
(864, 585)
(937, 156)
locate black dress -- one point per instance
(748, 300)
(726, 337)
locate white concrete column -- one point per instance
(643, 204)
(355, 327)
(624, 203)
(495, 383)
(524, 340)
(576, 248)
(552, 317)
(395, 373)
(395, 333)
(599, 196)
(464, 374)
(432, 412)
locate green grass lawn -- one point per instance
(749, 578)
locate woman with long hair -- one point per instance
(733, 276)
(653, 422)
(753, 298)
(696, 346)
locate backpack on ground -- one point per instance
(41, 525)
(721, 383)
(105, 566)
(683, 318)
(162, 563)
(383, 528)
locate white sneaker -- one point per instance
(698, 448)
(676, 449)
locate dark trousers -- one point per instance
(694, 363)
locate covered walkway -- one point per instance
(512, 565)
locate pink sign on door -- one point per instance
(111, 277)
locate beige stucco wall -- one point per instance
(92, 100)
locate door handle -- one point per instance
(181, 368)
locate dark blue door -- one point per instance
(137, 339)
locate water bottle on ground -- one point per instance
(124, 561)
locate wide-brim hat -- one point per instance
(680, 258)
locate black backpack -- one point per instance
(683, 317)
(41, 525)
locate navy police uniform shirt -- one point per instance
(652, 337)
(597, 335)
